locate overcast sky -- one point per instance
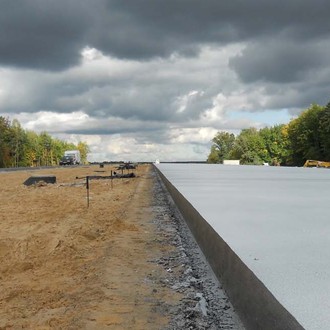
(152, 79)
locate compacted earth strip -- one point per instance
(126, 262)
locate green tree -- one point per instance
(324, 132)
(250, 147)
(27, 148)
(4, 142)
(18, 141)
(84, 150)
(222, 147)
(58, 148)
(44, 152)
(276, 144)
(32, 150)
(304, 136)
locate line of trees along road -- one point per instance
(305, 137)
(19, 147)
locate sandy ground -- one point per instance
(66, 266)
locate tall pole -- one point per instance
(87, 187)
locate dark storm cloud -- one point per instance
(281, 60)
(42, 33)
(127, 127)
(168, 60)
(49, 34)
(142, 102)
(158, 28)
(298, 96)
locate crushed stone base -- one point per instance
(205, 304)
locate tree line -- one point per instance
(305, 137)
(19, 147)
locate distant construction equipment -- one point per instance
(316, 163)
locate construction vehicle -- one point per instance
(127, 166)
(316, 163)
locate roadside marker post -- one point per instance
(87, 187)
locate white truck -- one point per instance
(71, 157)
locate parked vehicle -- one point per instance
(71, 157)
(66, 160)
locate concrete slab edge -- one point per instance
(255, 304)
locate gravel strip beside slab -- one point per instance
(205, 304)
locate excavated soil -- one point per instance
(125, 262)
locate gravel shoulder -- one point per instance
(204, 304)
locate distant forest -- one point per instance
(19, 147)
(303, 138)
